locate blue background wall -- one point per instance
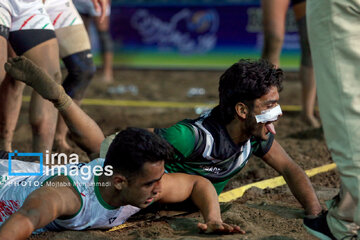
(192, 34)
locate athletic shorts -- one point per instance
(86, 7)
(62, 13)
(25, 24)
(24, 15)
(294, 2)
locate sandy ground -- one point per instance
(263, 214)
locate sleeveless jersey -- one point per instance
(94, 212)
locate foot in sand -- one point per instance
(311, 121)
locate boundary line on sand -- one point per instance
(157, 104)
(239, 192)
(226, 196)
(270, 183)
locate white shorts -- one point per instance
(24, 15)
(62, 13)
(86, 7)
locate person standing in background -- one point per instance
(29, 30)
(88, 13)
(75, 51)
(334, 34)
(274, 15)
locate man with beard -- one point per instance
(218, 144)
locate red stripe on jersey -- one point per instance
(57, 18)
(26, 21)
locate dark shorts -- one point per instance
(294, 2)
(4, 31)
(24, 40)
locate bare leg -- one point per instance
(60, 142)
(61, 132)
(108, 67)
(10, 104)
(3, 57)
(85, 132)
(308, 95)
(107, 51)
(43, 115)
(80, 66)
(274, 15)
(306, 73)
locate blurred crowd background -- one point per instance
(195, 34)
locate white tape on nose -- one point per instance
(269, 115)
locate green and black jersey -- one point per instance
(204, 147)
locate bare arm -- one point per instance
(40, 208)
(295, 177)
(177, 187)
(100, 6)
(83, 129)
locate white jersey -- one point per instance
(24, 15)
(94, 212)
(86, 7)
(62, 13)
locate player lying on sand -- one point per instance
(71, 202)
(218, 144)
(242, 124)
(131, 177)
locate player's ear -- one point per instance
(241, 110)
(119, 181)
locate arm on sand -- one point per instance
(42, 207)
(295, 177)
(177, 187)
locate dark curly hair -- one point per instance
(244, 82)
(133, 147)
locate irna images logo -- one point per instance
(56, 164)
(27, 172)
